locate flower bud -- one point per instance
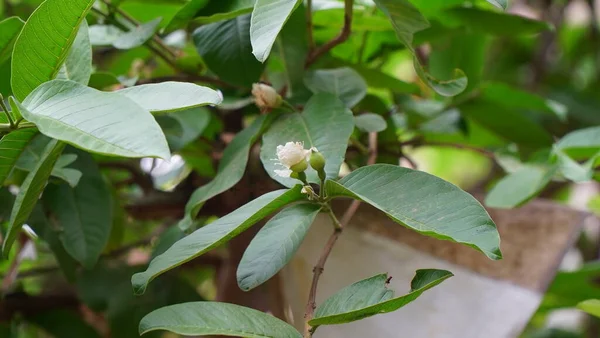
(265, 96)
(317, 161)
(300, 166)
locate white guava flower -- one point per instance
(265, 96)
(293, 157)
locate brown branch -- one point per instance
(311, 305)
(341, 38)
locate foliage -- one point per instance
(348, 90)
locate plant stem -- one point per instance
(341, 38)
(311, 305)
(5, 109)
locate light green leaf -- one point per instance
(171, 96)
(12, 146)
(407, 20)
(378, 79)
(32, 155)
(226, 50)
(215, 234)
(104, 35)
(78, 64)
(344, 83)
(224, 10)
(9, 31)
(106, 123)
(575, 171)
(212, 318)
(371, 296)
(84, 213)
(190, 125)
(590, 306)
(231, 168)
(185, 14)
(502, 4)
(45, 42)
(268, 18)
(137, 36)
(582, 143)
(424, 203)
(325, 124)
(370, 123)
(30, 192)
(275, 245)
(519, 187)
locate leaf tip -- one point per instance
(139, 283)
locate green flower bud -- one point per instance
(317, 161)
(300, 166)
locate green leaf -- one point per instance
(424, 203)
(101, 122)
(12, 146)
(371, 296)
(102, 80)
(590, 306)
(78, 64)
(344, 83)
(32, 153)
(582, 143)
(292, 46)
(9, 31)
(519, 187)
(407, 20)
(224, 10)
(137, 36)
(275, 245)
(226, 50)
(511, 97)
(30, 191)
(45, 42)
(268, 18)
(215, 234)
(185, 14)
(231, 168)
(378, 79)
(325, 124)
(191, 123)
(171, 96)
(54, 323)
(104, 35)
(502, 4)
(496, 23)
(370, 123)
(84, 213)
(212, 318)
(575, 171)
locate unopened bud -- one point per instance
(265, 96)
(300, 166)
(317, 161)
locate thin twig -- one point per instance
(341, 38)
(339, 227)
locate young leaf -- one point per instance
(12, 146)
(424, 203)
(590, 306)
(171, 96)
(137, 36)
(371, 296)
(275, 245)
(519, 187)
(9, 31)
(44, 43)
(575, 171)
(78, 64)
(226, 50)
(231, 168)
(325, 124)
(101, 122)
(370, 123)
(345, 83)
(84, 212)
(30, 192)
(212, 318)
(215, 234)
(407, 20)
(268, 18)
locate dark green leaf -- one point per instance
(371, 296)
(103, 80)
(45, 42)
(62, 323)
(12, 146)
(515, 98)
(325, 124)
(424, 203)
(496, 23)
(226, 49)
(224, 10)
(519, 187)
(171, 96)
(9, 31)
(84, 213)
(345, 83)
(370, 123)
(185, 14)
(211, 318)
(292, 46)
(378, 79)
(231, 168)
(30, 191)
(101, 122)
(78, 64)
(268, 18)
(275, 245)
(215, 234)
(189, 125)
